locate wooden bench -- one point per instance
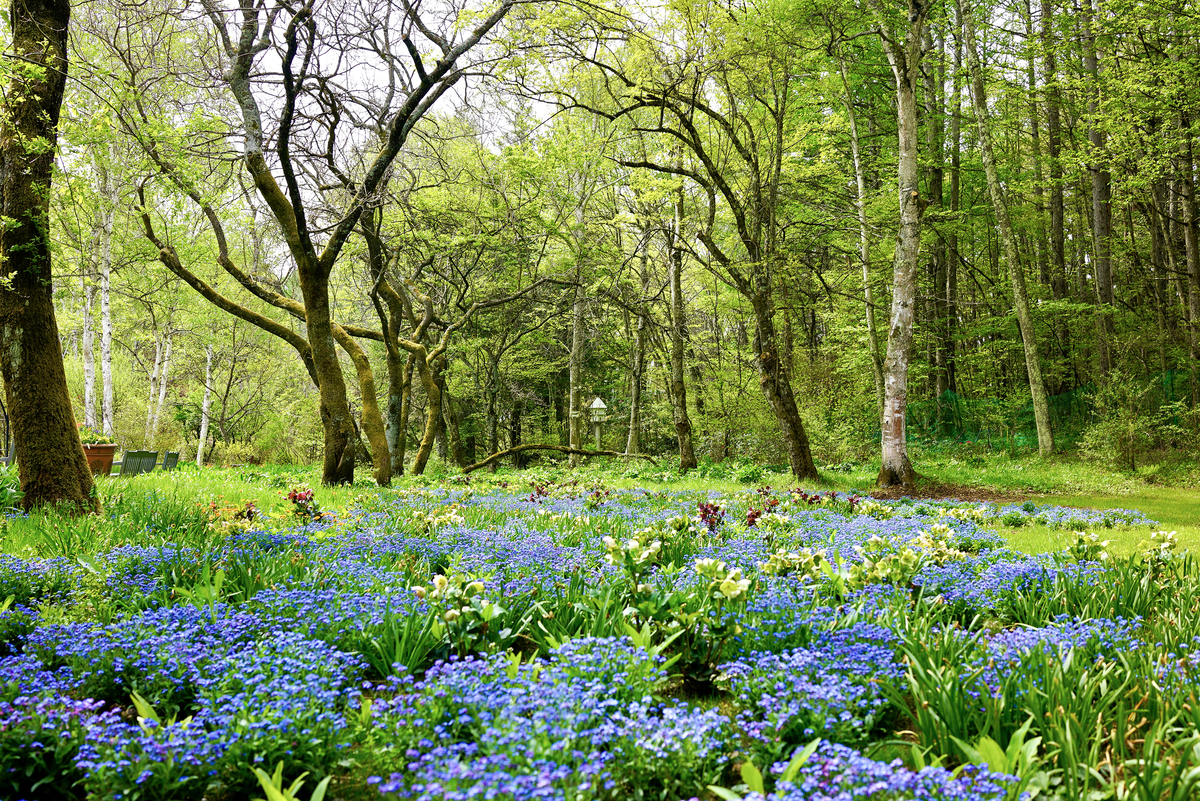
(136, 462)
(145, 462)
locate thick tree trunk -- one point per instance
(895, 468)
(633, 442)
(205, 406)
(683, 424)
(1191, 250)
(1033, 367)
(778, 391)
(372, 417)
(338, 466)
(53, 468)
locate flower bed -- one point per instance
(575, 643)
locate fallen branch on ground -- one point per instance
(560, 448)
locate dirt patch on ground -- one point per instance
(934, 490)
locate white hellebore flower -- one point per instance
(734, 585)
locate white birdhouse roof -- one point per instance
(598, 404)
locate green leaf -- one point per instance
(798, 760)
(752, 776)
(144, 708)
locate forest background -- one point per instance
(691, 210)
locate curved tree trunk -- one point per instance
(372, 418)
(433, 415)
(778, 390)
(53, 468)
(338, 467)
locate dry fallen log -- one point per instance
(560, 448)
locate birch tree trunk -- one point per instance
(205, 406)
(108, 195)
(162, 389)
(904, 56)
(1033, 367)
(89, 359)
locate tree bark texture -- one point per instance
(904, 58)
(53, 468)
(89, 356)
(372, 417)
(108, 199)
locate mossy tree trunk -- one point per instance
(52, 465)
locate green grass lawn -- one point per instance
(1061, 481)
(1175, 509)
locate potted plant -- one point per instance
(99, 448)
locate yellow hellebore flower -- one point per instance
(419, 591)
(732, 586)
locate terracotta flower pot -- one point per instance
(100, 457)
